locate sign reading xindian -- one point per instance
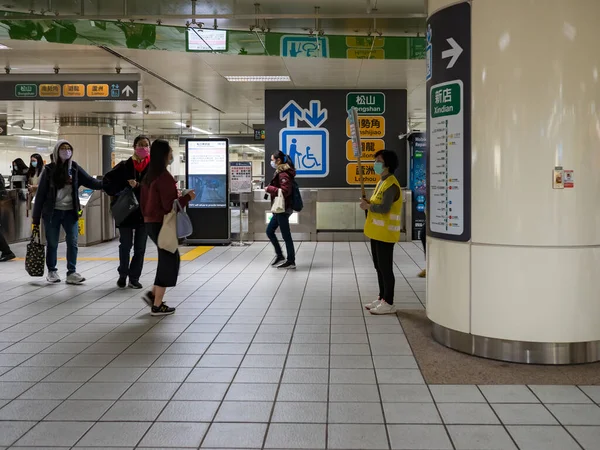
(449, 123)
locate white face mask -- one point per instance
(273, 165)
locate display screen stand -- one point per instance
(206, 164)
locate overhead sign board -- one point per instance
(204, 40)
(449, 123)
(367, 103)
(69, 87)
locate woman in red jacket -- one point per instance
(159, 192)
(283, 179)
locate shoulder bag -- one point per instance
(35, 257)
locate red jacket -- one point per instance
(283, 179)
(157, 198)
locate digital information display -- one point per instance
(207, 173)
(203, 40)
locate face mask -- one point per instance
(142, 152)
(378, 167)
(34, 164)
(273, 165)
(171, 160)
(65, 154)
(15, 168)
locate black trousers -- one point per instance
(383, 259)
(424, 240)
(4, 248)
(168, 263)
(136, 238)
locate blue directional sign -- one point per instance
(307, 147)
(305, 46)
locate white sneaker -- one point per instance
(75, 278)
(53, 277)
(374, 304)
(383, 308)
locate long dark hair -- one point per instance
(36, 171)
(285, 159)
(21, 167)
(158, 160)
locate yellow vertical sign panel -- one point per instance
(369, 148)
(81, 226)
(369, 126)
(353, 175)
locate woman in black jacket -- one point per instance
(128, 174)
(19, 168)
(57, 202)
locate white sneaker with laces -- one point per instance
(374, 304)
(75, 278)
(383, 308)
(53, 277)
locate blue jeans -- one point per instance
(68, 220)
(127, 240)
(282, 221)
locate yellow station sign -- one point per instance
(73, 90)
(97, 90)
(369, 175)
(49, 90)
(370, 127)
(364, 42)
(369, 148)
(365, 53)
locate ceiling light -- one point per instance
(39, 138)
(122, 142)
(153, 112)
(199, 130)
(123, 148)
(258, 79)
(257, 149)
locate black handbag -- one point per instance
(125, 204)
(36, 255)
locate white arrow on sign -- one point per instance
(454, 52)
(127, 91)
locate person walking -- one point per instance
(382, 227)
(6, 254)
(129, 174)
(57, 203)
(159, 192)
(36, 166)
(284, 180)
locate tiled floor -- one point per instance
(254, 358)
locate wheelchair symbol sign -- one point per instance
(308, 149)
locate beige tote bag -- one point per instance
(167, 238)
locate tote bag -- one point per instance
(35, 256)
(124, 205)
(184, 224)
(167, 238)
(278, 204)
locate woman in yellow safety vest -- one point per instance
(383, 228)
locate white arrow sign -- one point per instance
(454, 52)
(127, 91)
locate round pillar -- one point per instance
(525, 287)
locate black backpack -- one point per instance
(297, 203)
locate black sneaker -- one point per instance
(122, 282)
(148, 299)
(7, 257)
(135, 284)
(162, 310)
(287, 265)
(278, 260)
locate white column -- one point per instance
(531, 272)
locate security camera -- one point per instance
(18, 123)
(188, 124)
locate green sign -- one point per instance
(26, 90)
(367, 103)
(445, 100)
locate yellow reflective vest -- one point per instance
(384, 227)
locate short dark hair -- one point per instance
(390, 159)
(139, 138)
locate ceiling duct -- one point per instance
(75, 121)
